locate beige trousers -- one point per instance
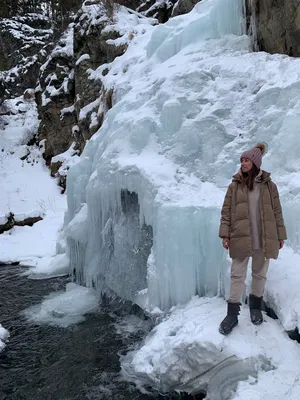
(239, 272)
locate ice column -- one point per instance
(210, 19)
(187, 255)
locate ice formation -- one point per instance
(64, 308)
(144, 199)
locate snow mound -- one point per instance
(186, 352)
(37, 196)
(282, 289)
(46, 267)
(64, 308)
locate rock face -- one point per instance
(183, 7)
(55, 98)
(163, 10)
(24, 42)
(278, 26)
(71, 103)
(93, 46)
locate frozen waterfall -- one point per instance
(144, 199)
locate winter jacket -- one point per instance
(235, 220)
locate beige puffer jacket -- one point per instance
(235, 221)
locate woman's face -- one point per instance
(246, 164)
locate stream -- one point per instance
(42, 362)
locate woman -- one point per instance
(251, 226)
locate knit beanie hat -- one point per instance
(256, 154)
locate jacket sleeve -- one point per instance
(224, 231)
(281, 231)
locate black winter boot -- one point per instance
(231, 319)
(255, 305)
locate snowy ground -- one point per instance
(186, 352)
(29, 191)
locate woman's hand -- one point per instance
(281, 244)
(225, 243)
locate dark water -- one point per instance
(76, 363)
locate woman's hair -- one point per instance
(248, 177)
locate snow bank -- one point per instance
(186, 352)
(19, 126)
(4, 335)
(282, 289)
(37, 196)
(46, 267)
(39, 240)
(64, 308)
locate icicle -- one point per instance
(250, 8)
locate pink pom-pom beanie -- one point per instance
(255, 154)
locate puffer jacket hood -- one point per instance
(263, 176)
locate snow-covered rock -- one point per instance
(55, 99)
(186, 352)
(23, 48)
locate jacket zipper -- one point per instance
(263, 230)
(250, 226)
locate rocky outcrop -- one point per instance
(161, 10)
(278, 26)
(183, 7)
(72, 101)
(94, 45)
(164, 10)
(55, 98)
(24, 43)
(12, 221)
